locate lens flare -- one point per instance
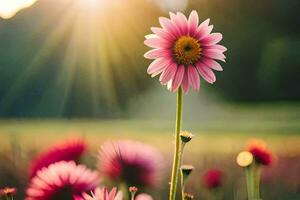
(9, 8)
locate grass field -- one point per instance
(216, 144)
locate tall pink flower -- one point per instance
(62, 180)
(64, 151)
(183, 49)
(103, 194)
(131, 162)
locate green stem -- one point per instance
(256, 182)
(253, 182)
(177, 152)
(183, 181)
(249, 179)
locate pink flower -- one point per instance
(65, 151)
(102, 194)
(183, 49)
(131, 162)
(62, 180)
(213, 178)
(143, 196)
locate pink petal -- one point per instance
(162, 33)
(214, 54)
(105, 193)
(157, 66)
(157, 53)
(193, 77)
(193, 22)
(157, 43)
(112, 194)
(168, 73)
(168, 26)
(206, 73)
(211, 39)
(212, 64)
(182, 23)
(217, 46)
(185, 83)
(204, 29)
(178, 78)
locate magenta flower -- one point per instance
(65, 151)
(103, 194)
(143, 196)
(62, 180)
(213, 178)
(131, 162)
(183, 50)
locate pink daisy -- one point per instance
(131, 162)
(103, 194)
(62, 180)
(65, 151)
(183, 49)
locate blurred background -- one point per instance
(75, 68)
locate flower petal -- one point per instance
(211, 39)
(157, 53)
(157, 43)
(204, 29)
(157, 66)
(193, 22)
(168, 73)
(193, 77)
(185, 83)
(176, 82)
(217, 46)
(182, 23)
(212, 64)
(168, 26)
(214, 54)
(206, 73)
(162, 33)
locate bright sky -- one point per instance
(8, 8)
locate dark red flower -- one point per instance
(213, 178)
(70, 150)
(261, 154)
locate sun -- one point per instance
(9, 8)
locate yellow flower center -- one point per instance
(187, 50)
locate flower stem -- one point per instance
(253, 182)
(177, 150)
(183, 181)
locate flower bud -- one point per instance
(186, 136)
(133, 191)
(186, 170)
(188, 196)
